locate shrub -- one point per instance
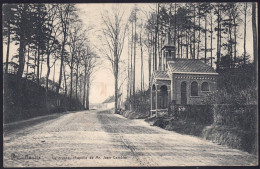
(201, 114)
(33, 99)
(139, 103)
(240, 116)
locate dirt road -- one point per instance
(92, 138)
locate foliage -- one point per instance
(199, 114)
(34, 100)
(235, 86)
(240, 116)
(140, 102)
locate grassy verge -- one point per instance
(232, 137)
(133, 114)
(224, 135)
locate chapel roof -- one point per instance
(161, 75)
(190, 66)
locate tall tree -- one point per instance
(114, 36)
(245, 20)
(22, 31)
(66, 16)
(52, 44)
(135, 39)
(255, 45)
(8, 16)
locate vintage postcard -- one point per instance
(130, 84)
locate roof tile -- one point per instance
(161, 75)
(190, 65)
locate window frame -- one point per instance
(205, 90)
(191, 87)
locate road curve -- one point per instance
(93, 138)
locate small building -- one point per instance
(180, 81)
(109, 103)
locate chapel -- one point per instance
(180, 81)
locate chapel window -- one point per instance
(194, 89)
(205, 86)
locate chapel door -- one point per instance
(183, 93)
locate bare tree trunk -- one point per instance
(47, 79)
(194, 33)
(61, 62)
(220, 37)
(28, 58)
(131, 74)
(87, 94)
(175, 28)
(178, 42)
(230, 39)
(48, 72)
(77, 77)
(156, 36)
(245, 10)
(211, 34)
(53, 78)
(153, 47)
(198, 52)
(21, 58)
(205, 58)
(41, 67)
(181, 45)
(38, 64)
(20, 72)
(65, 83)
(71, 76)
(149, 61)
(116, 83)
(187, 45)
(235, 44)
(84, 86)
(218, 40)
(134, 56)
(34, 68)
(128, 67)
(8, 48)
(191, 52)
(255, 45)
(142, 69)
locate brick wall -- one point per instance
(189, 78)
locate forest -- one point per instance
(47, 34)
(215, 33)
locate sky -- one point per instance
(102, 85)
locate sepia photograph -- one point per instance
(130, 84)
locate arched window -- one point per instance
(205, 86)
(183, 93)
(194, 89)
(163, 97)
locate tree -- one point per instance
(114, 32)
(22, 32)
(52, 44)
(255, 45)
(39, 34)
(66, 16)
(245, 20)
(8, 16)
